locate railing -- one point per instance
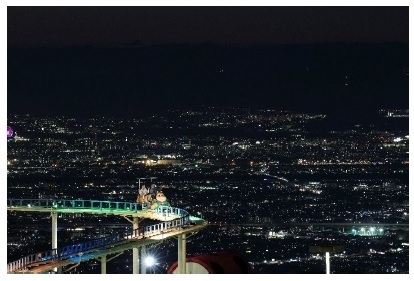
(76, 250)
(74, 204)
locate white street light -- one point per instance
(149, 261)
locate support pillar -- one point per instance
(327, 249)
(135, 254)
(328, 264)
(54, 230)
(182, 253)
(103, 264)
(54, 234)
(143, 256)
(135, 261)
(135, 223)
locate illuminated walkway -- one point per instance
(174, 222)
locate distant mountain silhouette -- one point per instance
(331, 78)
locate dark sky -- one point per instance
(131, 60)
(118, 26)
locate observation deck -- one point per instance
(173, 222)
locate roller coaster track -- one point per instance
(174, 221)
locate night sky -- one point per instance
(131, 60)
(122, 26)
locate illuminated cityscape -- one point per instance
(266, 194)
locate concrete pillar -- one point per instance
(182, 253)
(103, 264)
(135, 254)
(54, 234)
(135, 261)
(143, 256)
(328, 263)
(180, 242)
(54, 230)
(135, 223)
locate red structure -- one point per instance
(218, 263)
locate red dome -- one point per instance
(222, 262)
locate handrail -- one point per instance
(73, 251)
(74, 204)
